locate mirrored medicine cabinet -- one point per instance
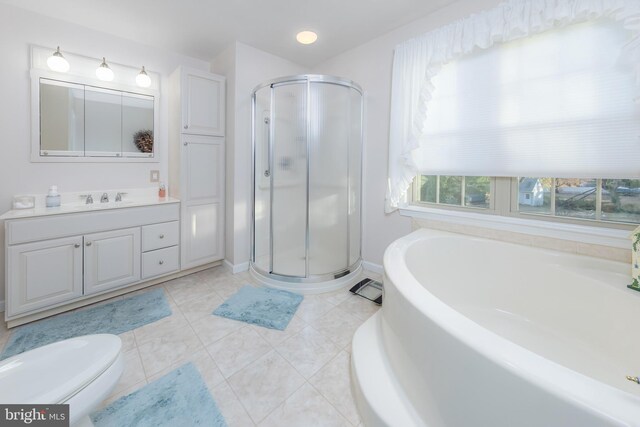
(74, 121)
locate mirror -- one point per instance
(86, 121)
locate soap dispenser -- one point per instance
(53, 197)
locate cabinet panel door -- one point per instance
(111, 260)
(43, 274)
(203, 234)
(204, 168)
(203, 104)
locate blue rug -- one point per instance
(180, 398)
(271, 308)
(112, 318)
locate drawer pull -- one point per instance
(162, 236)
(77, 245)
(88, 243)
(161, 262)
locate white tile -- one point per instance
(359, 307)
(306, 407)
(190, 291)
(128, 341)
(172, 347)
(237, 350)
(160, 328)
(338, 326)
(333, 381)
(308, 351)
(212, 328)
(203, 362)
(313, 307)
(115, 396)
(265, 384)
(275, 336)
(230, 407)
(194, 310)
(133, 372)
(226, 288)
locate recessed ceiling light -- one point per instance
(306, 37)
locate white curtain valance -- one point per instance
(418, 61)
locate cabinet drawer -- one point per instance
(160, 236)
(161, 261)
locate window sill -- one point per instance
(612, 237)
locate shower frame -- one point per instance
(351, 268)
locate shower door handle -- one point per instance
(267, 171)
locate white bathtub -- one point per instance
(477, 332)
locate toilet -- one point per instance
(80, 372)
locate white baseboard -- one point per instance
(237, 268)
(374, 268)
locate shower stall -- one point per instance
(307, 182)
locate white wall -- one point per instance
(370, 66)
(245, 67)
(18, 29)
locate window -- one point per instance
(605, 201)
(463, 191)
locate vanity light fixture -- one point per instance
(143, 79)
(57, 62)
(103, 72)
(306, 37)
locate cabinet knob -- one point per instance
(77, 245)
(162, 236)
(186, 126)
(88, 243)
(185, 144)
(161, 262)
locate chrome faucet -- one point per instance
(119, 196)
(88, 200)
(104, 198)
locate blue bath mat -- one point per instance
(180, 398)
(112, 318)
(271, 308)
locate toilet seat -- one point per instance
(56, 372)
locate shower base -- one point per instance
(311, 285)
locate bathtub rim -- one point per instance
(560, 381)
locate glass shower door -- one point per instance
(288, 173)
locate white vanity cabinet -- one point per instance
(42, 274)
(111, 260)
(59, 259)
(197, 163)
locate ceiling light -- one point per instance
(306, 37)
(143, 79)
(57, 62)
(103, 72)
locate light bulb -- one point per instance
(57, 62)
(103, 72)
(306, 37)
(143, 79)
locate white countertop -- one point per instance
(81, 207)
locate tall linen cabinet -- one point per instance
(196, 163)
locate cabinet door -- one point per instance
(203, 103)
(203, 234)
(43, 274)
(203, 168)
(111, 260)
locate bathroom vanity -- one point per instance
(73, 254)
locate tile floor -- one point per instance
(257, 376)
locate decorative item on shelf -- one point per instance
(162, 191)
(143, 79)
(635, 260)
(104, 72)
(144, 140)
(57, 62)
(53, 197)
